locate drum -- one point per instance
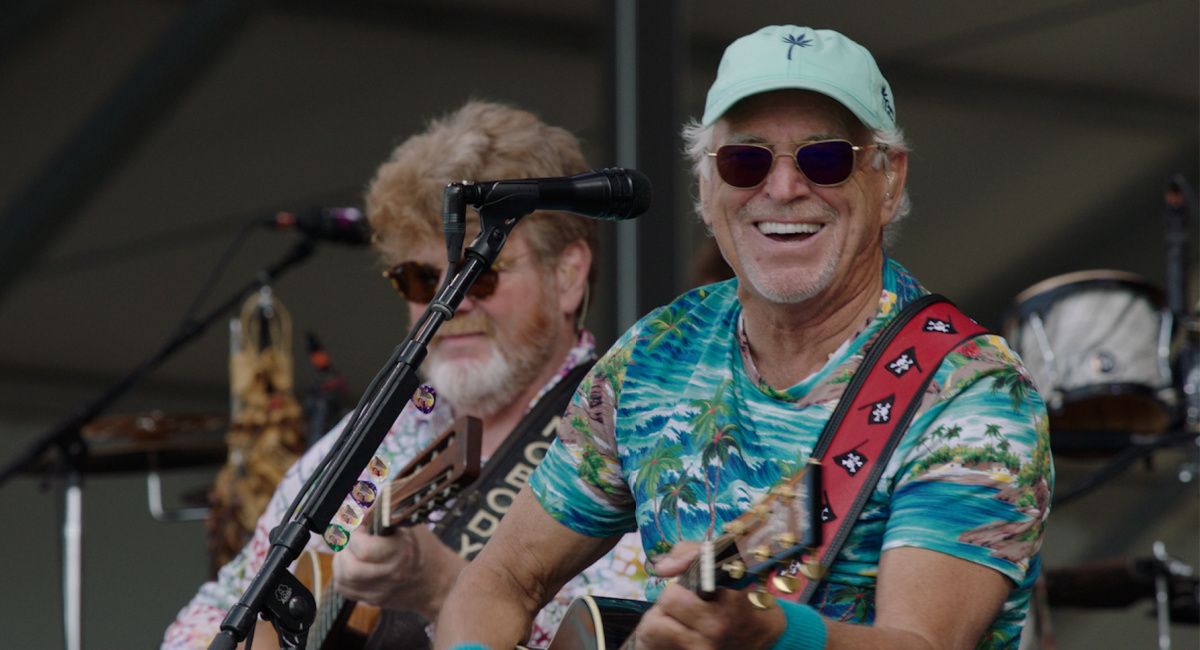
(1097, 344)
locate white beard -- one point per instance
(791, 290)
(476, 387)
(786, 288)
(483, 388)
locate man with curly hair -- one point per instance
(516, 335)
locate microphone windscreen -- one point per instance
(643, 192)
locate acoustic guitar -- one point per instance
(447, 465)
(771, 535)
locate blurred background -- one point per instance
(140, 137)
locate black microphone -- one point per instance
(612, 194)
(342, 225)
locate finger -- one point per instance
(659, 630)
(677, 560)
(709, 618)
(376, 548)
(351, 571)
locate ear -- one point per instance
(704, 185)
(893, 178)
(572, 273)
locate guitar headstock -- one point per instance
(449, 463)
(777, 532)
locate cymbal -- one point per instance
(151, 425)
(138, 442)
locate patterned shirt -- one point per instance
(674, 433)
(619, 574)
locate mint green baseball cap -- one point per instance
(821, 60)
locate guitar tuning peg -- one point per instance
(812, 570)
(761, 552)
(760, 599)
(735, 528)
(735, 569)
(785, 583)
(786, 540)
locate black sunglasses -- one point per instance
(825, 163)
(419, 282)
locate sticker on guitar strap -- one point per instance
(424, 398)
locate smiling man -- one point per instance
(701, 408)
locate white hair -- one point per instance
(698, 141)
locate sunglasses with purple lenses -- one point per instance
(824, 163)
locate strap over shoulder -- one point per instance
(875, 411)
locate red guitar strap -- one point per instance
(873, 414)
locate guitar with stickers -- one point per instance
(437, 474)
(774, 538)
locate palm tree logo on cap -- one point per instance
(794, 41)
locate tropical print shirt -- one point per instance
(620, 574)
(674, 433)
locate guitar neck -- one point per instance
(703, 575)
(334, 609)
(431, 477)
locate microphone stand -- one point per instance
(67, 435)
(274, 592)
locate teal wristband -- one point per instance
(470, 646)
(805, 628)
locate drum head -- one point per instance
(1096, 344)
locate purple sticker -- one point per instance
(424, 398)
(363, 493)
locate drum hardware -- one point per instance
(1133, 451)
(151, 442)
(1122, 581)
(155, 442)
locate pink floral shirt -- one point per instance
(620, 574)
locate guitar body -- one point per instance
(354, 622)
(598, 623)
(435, 474)
(349, 629)
(783, 525)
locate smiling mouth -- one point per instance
(786, 232)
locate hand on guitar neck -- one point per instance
(714, 599)
(393, 562)
(724, 617)
(409, 569)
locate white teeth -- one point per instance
(776, 228)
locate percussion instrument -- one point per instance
(1097, 344)
(148, 441)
